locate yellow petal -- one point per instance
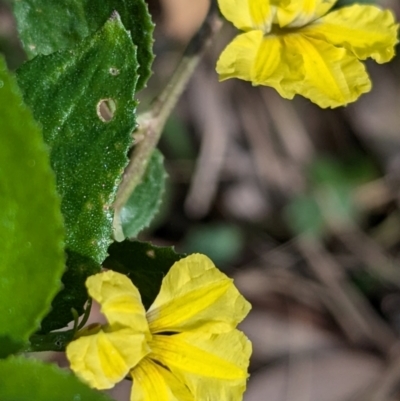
(278, 66)
(333, 76)
(195, 294)
(222, 356)
(367, 31)
(103, 359)
(247, 14)
(152, 382)
(237, 59)
(119, 299)
(208, 363)
(267, 63)
(298, 13)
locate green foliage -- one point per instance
(145, 264)
(328, 171)
(67, 121)
(177, 140)
(31, 229)
(145, 201)
(221, 242)
(88, 153)
(27, 380)
(304, 216)
(330, 198)
(46, 26)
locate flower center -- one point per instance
(278, 31)
(89, 330)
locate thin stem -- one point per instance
(57, 341)
(151, 123)
(76, 319)
(86, 315)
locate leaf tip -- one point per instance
(115, 16)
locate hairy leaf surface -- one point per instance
(46, 26)
(83, 97)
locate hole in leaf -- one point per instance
(114, 71)
(151, 254)
(106, 109)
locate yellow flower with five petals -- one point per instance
(299, 47)
(184, 348)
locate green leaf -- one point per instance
(349, 172)
(223, 243)
(32, 380)
(304, 217)
(337, 205)
(333, 184)
(145, 264)
(31, 229)
(145, 201)
(46, 26)
(88, 153)
(177, 141)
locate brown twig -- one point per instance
(361, 322)
(210, 104)
(385, 386)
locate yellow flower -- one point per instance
(185, 348)
(299, 47)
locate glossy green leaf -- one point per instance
(145, 201)
(145, 264)
(66, 91)
(31, 229)
(32, 380)
(46, 26)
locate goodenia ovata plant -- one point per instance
(70, 196)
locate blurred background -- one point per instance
(299, 205)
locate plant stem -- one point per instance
(151, 123)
